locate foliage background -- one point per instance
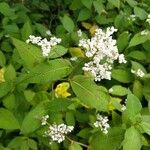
(27, 88)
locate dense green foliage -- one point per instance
(28, 81)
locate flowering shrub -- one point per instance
(74, 74)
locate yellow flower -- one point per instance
(2, 75)
(61, 90)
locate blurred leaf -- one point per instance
(75, 146)
(32, 121)
(68, 23)
(26, 30)
(118, 90)
(121, 75)
(10, 73)
(139, 39)
(132, 139)
(57, 51)
(2, 59)
(138, 55)
(114, 138)
(141, 13)
(87, 4)
(8, 120)
(116, 3)
(84, 14)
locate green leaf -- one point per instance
(99, 7)
(31, 121)
(2, 59)
(133, 106)
(132, 140)
(57, 51)
(118, 90)
(136, 66)
(138, 89)
(10, 73)
(87, 4)
(22, 143)
(121, 75)
(5, 87)
(123, 40)
(6, 10)
(139, 39)
(57, 105)
(75, 146)
(138, 55)
(145, 124)
(26, 30)
(141, 13)
(41, 28)
(84, 14)
(8, 120)
(114, 138)
(68, 23)
(115, 3)
(70, 119)
(48, 71)
(132, 3)
(30, 54)
(89, 93)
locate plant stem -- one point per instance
(77, 142)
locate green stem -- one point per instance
(77, 142)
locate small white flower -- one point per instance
(138, 73)
(57, 132)
(44, 43)
(44, 120)
(123, 108)
(132, 17)
(110, 90)
(122, 59)
(48, 32)
(102, 123)
(148, 19)
(73, 58)
(145, 32)
(79, 32)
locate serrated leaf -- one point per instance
(48, 71)
(8, 120)
(132, 140)
(30, 54)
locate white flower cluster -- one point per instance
(148, 19)
(138, 73)
(45, 44)
(102, 51)
(57, 132)
(123, 108)
(79, 32)
(102, 123)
